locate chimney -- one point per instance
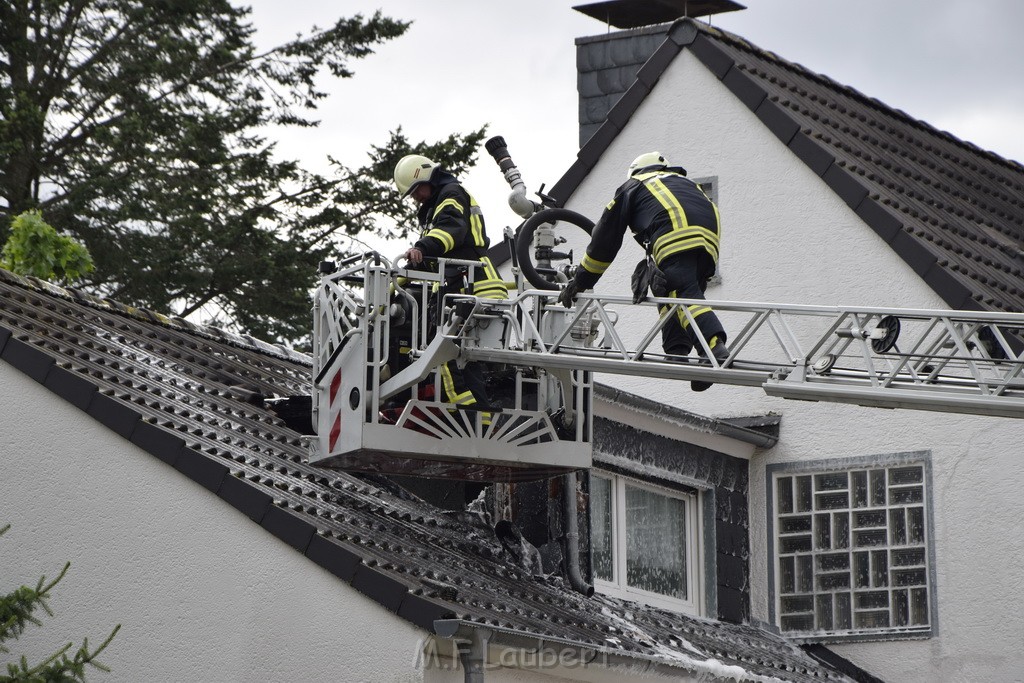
(607, 64)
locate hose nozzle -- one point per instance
(497, 148)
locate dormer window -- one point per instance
(645, 542)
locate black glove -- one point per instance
(569, 294)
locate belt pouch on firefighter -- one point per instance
(647, 275)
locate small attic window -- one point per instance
(709, 184)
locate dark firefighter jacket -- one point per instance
(668, 214)
(451, 221)
(452, 225)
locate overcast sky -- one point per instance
(511, 65)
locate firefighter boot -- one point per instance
(721, 353)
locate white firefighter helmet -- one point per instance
(646, 160)
(411, 170)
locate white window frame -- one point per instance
(709, 186)
(882, 568)
(694, 523)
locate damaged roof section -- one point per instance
(198, 400)
(952, 211)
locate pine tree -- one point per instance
(17, 612)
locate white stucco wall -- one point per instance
(787, 238)
(203, 594)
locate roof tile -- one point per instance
(846, 185)
(294, 529)
(747, 89)
(811, 152)
(714, 58)
(333, 557)
(113, 414)
(777, 120)
(250, 500)
(628, 104)
(70, 386)
(28, 359)
(879, 218)
(652, 69)
(379, 587)
(158, 442)
(201, 468)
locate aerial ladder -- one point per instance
(381, 332)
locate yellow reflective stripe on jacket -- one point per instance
(451, 201)
(491, 286)
(446, 240)
(476, 222)
(489, 270)
(682, 240)
(592, 265)
(490, 289)
(676, 214)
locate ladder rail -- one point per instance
(944, 355)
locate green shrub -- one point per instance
(35, 248)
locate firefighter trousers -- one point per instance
(687, 274)
(467, 386)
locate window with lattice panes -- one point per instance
(644, 542)
(851, 547)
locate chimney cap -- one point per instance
(635, 13)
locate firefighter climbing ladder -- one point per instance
(370, 314)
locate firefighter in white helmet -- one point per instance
(679, 227)
(451, 225)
